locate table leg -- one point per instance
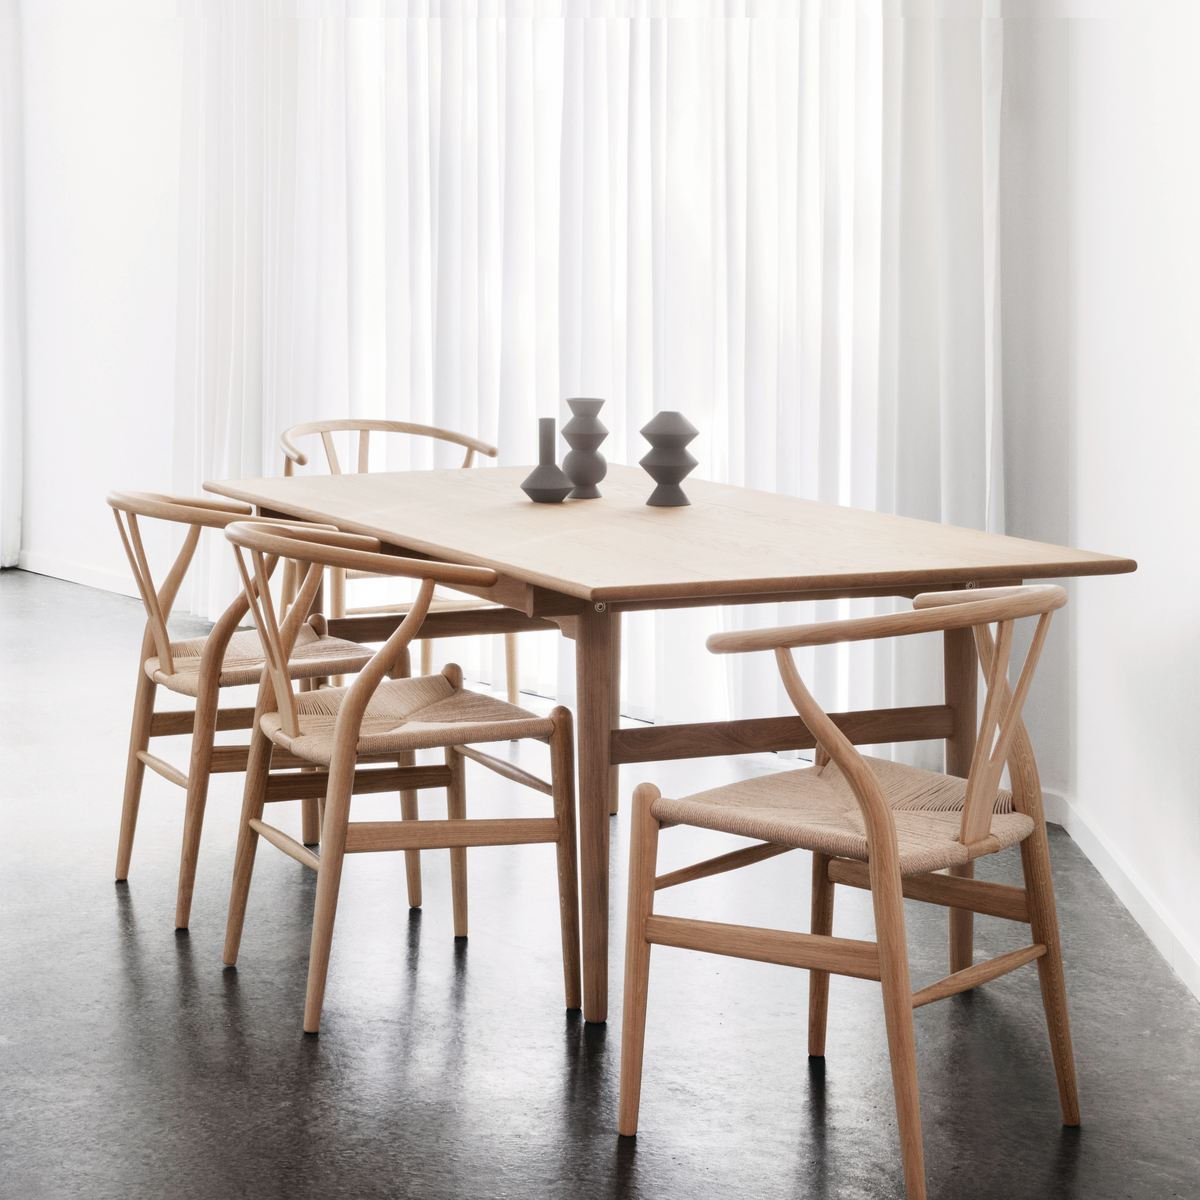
(593, 686)
(961, 678)
(614, 705)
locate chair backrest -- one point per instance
(1000, 729)
(197, 512)
(293, 456)
(266, 543)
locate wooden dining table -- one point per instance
(577, 566)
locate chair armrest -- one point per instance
(931, 612)
(351, 551)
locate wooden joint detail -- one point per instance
(842, 956)
(963, 981)
(370, 836)
(720, 864)
(659, 743)
(157, 765)
(507, 769)
(950, 891)
(281, 841)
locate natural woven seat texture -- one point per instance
(313, 655)
(406, 714)
(814, 809)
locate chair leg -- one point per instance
(456, 810)
(409, 811)
(888, 901)
(337, 607)
(310, 821)
(204, 728)
(962, 926)
(818, 981)
(643, 858)
(426, 656)
(258, 768)
(329, 879)
(1039, 891)
(562, 775)
(310, 808)
(512, 668)
(135, 769)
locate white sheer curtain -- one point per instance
(12, 290)
(781, 223)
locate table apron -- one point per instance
(378, 627)
(710, 739)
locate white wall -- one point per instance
(102, 104)
(1134, 206)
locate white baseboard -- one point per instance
(57, 568)
(1171, 941)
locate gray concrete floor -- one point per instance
(133, 1064)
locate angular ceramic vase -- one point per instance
(584, 465)
(546, 484)
(668, 462)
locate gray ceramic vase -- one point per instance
(546, 484)
(668, 462)
(584, 465)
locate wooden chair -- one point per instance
(337, 578)
(385, 714)
(199, 668)
(875, 825)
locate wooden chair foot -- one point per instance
(643, 857)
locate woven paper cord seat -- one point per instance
(406, 714)
(313, 656)
(814, 809)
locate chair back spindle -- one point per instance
(196, 512)
(294, 457)
(317, 550)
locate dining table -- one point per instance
(576, 566)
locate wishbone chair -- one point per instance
(199, 668)
(381, 716)
(875, 825)
(293, 457)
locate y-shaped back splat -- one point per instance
(1001, 721)
(293, 456)
(158, 603)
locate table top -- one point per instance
(729, 541)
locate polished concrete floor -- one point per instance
(132, 1064)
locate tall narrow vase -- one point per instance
(546, 484)
(584, 465)
(668, 461)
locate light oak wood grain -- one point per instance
(617, 548)
(970, 977)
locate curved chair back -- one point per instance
(294, 457)
(267, 542)
(1000, 729)
(198, 512)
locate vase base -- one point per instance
(668, 495)
(586, 492)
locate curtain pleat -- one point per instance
(777, 218)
